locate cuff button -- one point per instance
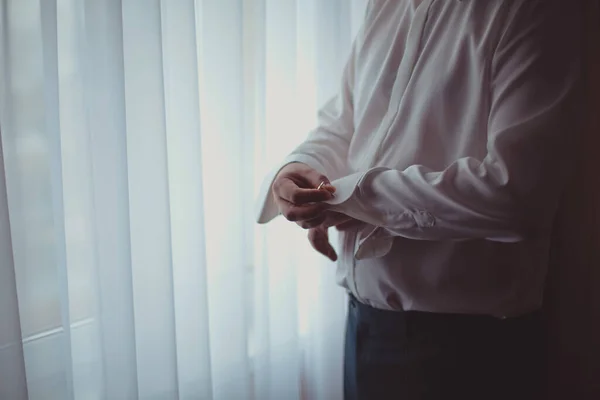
(425, 219)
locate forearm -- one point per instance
(465, 201)
(510, 193)
(326, 147)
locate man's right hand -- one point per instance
(297, 197)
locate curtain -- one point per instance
(134, 136)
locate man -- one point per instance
(447, 148)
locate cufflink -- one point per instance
(425, 219)
(320, 187)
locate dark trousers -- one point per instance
(429, 356)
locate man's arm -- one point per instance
(513, 192)
(326, 148)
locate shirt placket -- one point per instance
(405, 73)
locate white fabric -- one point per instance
(12, 364)
(134, 136)
(450, 138)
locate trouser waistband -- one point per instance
(443, 323)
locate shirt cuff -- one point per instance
(353, 197)
(265, 208)
(373, 242)
(350, 200)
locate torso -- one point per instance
(430, 106)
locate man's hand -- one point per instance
(297, 197)
(319, 236)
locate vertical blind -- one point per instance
(134, 136)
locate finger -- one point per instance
(307, 196)
(329, 188)
(301, 213)
(335, 219)
(348, 225)
(320, 242)
(312, 223)
(313, 179)
(289, 191)
(327, 250)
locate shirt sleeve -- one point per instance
(326, 147)
(511, 194)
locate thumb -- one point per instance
(318, 180)
(315, 178)
(329, 187)
(319, 239)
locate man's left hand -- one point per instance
(319, 236)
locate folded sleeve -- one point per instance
(512, 193)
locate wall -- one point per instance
(573, 291)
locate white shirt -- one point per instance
(450, 138)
